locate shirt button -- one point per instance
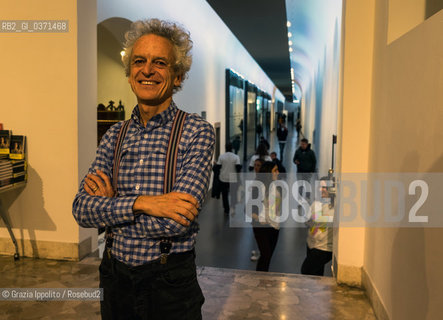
(137, 187)
(146, 136)
(127, 258)
(141, 161)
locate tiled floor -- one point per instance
(230, 294)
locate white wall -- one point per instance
(38, 80)
(315, 59)
(215, 49)
(354, 123)
(404, 264)
(87, 96)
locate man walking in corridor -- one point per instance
(230, 165)
(304, 158)
(306, 162)
(282, 135)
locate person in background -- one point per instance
(148, 269)
(298, 128)
(265, 224)
(216, 183)
(319, 240)
(236, 144)
(257, 165)
(280, 166)
(306, 163)
(260, 153)
(230, 165)
(265, 142)
(282, 134)
(304, 158)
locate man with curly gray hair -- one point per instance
(159, 163)
(179, 38)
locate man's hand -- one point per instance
(99, 185)
(180, 207)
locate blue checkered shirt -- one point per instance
(137, 237)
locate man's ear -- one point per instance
(178, 80)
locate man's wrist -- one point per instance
(140, 205)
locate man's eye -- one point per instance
(160, 63)
(138, 61)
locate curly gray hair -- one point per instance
(179, 37)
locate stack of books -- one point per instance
(5, 142)
(11, 172)
(13, 165)
(6, 175)
(12, 146)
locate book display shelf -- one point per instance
(13, 173)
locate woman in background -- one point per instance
(265, 224)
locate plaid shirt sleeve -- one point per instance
(192, 178)
(95, 211)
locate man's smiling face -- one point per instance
(152, 76)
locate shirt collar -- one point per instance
(160, 119)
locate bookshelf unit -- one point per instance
(13, 176)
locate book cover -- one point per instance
(5, 139)
(17, 147)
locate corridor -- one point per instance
(218, 245)
(365, 79)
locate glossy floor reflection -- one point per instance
(230, 294)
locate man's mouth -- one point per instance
(148, 82)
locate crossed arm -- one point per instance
(164, 215)
(180, 207)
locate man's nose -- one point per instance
(148, 68)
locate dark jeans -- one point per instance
(306, 176)
(266, 238)
(315, 261)
(282, 148)
(151, 291)
(224, 186)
